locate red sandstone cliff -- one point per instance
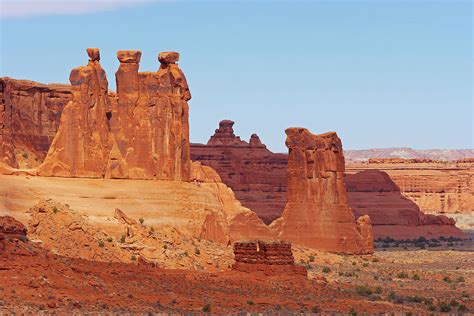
(258, 178)
(374, 193)
(29, 119)
(255, 174)
(317, 214)
(142, 133)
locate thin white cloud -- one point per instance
(26, 8)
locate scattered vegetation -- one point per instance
(402, 275)
(141, 220)
(122, 239)
(326, 270)
(101, 244)
(415, 277)
(197, 251)
(250, 303)
(133, 258)
(55, 210)
(109, 239)
(311, 258)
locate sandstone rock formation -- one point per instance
(374, 193)
(150, 119)
(409, 153)
(255, 174)
(435, 187)
(29, 119)
(141, 133)
(268, 257)
(258, 178)
(317, 214)
(11, 228)
(82, 146)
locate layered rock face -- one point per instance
(258, 178)
(82, 146)
(29, 119)
(255, 174)
(140, 133)
(268, 257)
(150, 119)
(374, 193)
(317, 214)
(436, 187)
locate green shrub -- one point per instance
(109, 239)
(375, 260)
(206, 308)
(141, 220)
(462, 308)
(363, 290)
(465, 294)
(25, 155)
(326, 270)
(447, 279)
(55, 210)
(402, 275)
(444, 307)
(378, 290)
(315, 309)
(460, 279)
(311, 258)
(416, 277)
(122, 239)
(250, 303)
(133, 258)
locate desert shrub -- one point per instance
(354, 263)
(391, 296)
(341, 273)
(363, 290)
(311, 258)
(378, 290)
(206, 308)
(375, 260)
(353, 312)
(326, 270)
(165, 247)
(133, 258)
(444, 307)
(465, 294)
(101, 244)
(315, 309)
(462, 308)
(402, 275)
(431, 307)
(453, 303)
(109, 239)
(365, 265)
(141, 220)
(376, 277)
(197, 251)
(25, 155)
(447, 279)
(250, 303)
(55, 210)
(122, 239)
(416, 277)
(460, 279)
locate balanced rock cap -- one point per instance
(93, 53)
(168, 57)
(129, 56)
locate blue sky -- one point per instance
(379, 73)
